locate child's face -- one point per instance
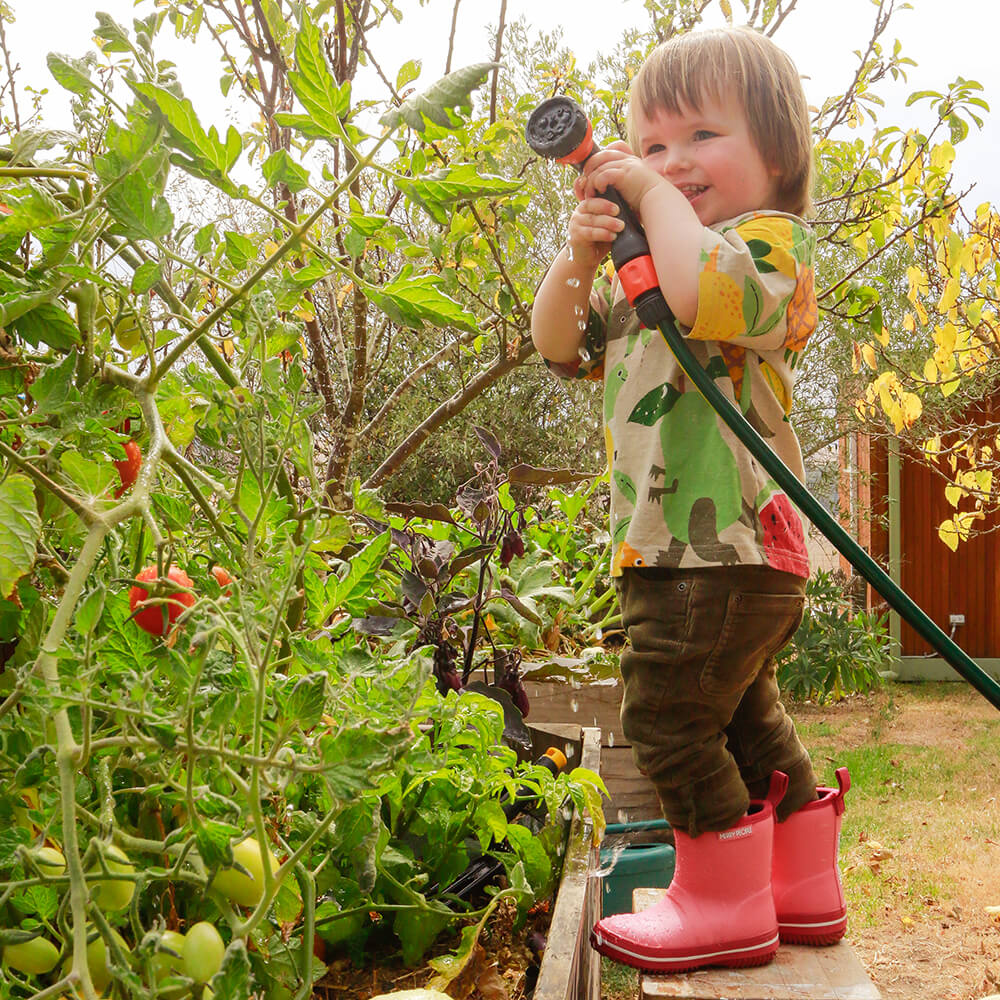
(709, 156)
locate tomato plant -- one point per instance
(270, 768)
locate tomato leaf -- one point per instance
(203, 154)
(418, 302)
(11, 838)
(353, 592)
(440, 191)
(438, 103)
(324, 100)
(89, 610)
(20, 529)
(306, 702)
(232, 981)
(280, 168)
(214, 840)
(47, 324)
(40, 901)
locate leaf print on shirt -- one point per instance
(612, 386)
(654, 405)
(626, 487)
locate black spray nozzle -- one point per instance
(558, 129)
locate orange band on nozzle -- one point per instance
(558, 757)
(582, 151)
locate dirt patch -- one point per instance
(930, 887)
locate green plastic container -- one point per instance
(644, 863)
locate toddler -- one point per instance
(709, 555)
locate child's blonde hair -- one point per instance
(710, 64)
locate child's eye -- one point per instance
(655, 148)
(702, 134)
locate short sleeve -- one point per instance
(755, 286)
(590, 361)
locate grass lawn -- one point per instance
(920, 846)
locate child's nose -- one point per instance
(676, 159)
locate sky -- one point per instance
(947, 38)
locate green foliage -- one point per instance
(837, 650)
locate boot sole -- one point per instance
(737, 958)
(816, 935)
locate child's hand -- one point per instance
(593, 227)
(618, 167)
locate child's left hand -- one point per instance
(618, 167)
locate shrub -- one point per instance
(837, 650)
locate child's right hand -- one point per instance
(593, 226)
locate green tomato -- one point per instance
(50, 860)
(169, 958)
(34, 958)
(203, 951)
(97, 960)
(243, 889)
(111, 895)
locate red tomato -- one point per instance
(152, 618)
(223, 579)
(128, 467)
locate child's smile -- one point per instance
(709, 156)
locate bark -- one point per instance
(446, 411)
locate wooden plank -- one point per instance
(632, 796)
(797, 973)
(570, 968)
(596, 705)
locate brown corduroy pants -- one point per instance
(701, 706)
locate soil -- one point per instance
(502, 967)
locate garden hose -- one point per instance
(559, 130)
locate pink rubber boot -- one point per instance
(718, 910)
(808, 896)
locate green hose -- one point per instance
(897, 598)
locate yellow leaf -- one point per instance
(911, 408)
(868, 353)
(947, 388)
(950, 294)
(948, 535)
(909, 322)
(932, 447)
(953, 494)
(918, 283)
(984, 481)
(930, 370)
(884, 336)
(343, 292)
(942, 156)
(305, 314)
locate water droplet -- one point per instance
(569, 750)
(578, 310)
(581, 325)
(575, 704)
(573, 282)
(622, 815)
(569, 252)
(599, 634)
(611, 739)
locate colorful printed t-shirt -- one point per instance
(684, 491)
